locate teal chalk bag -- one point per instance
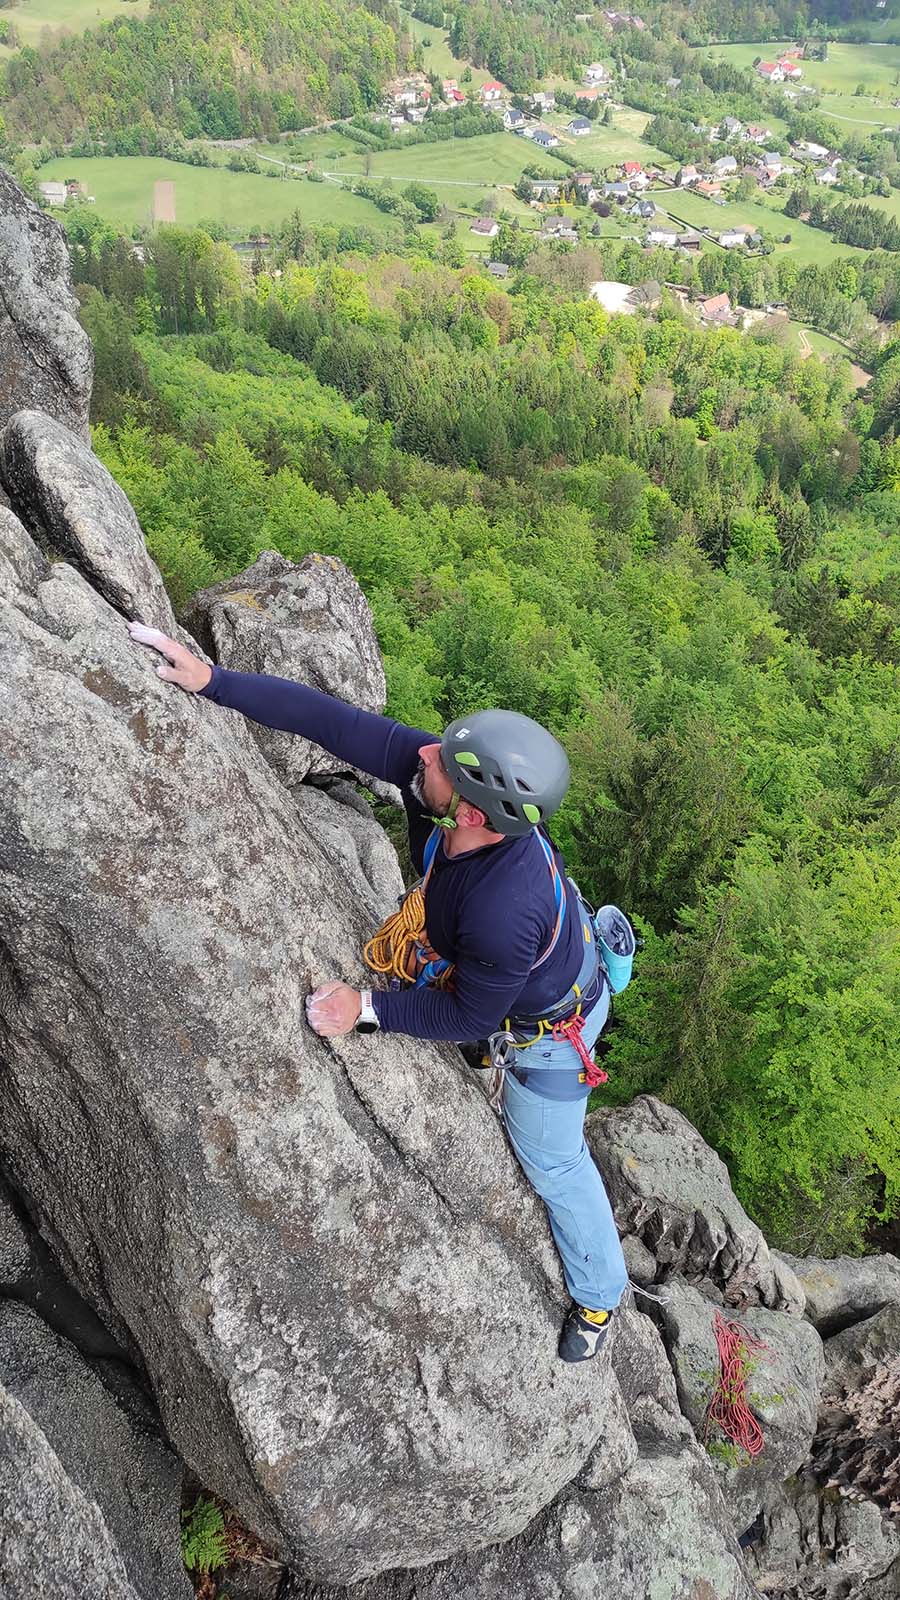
(617, 942)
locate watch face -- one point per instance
(367, 1027)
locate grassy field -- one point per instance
(876, 66)
(607, 147)
(437, 55)
(32, 17)
(807, 244)
(489, 159)
(123, 189)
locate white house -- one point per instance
(513, 118)
(485, 227)
(687, 176)
(544, 100)
(772, 71)
(595, 74)
(53, 193)
(815, 152)
(732, 126)
(491, 92)
(724, 166)
(579, 126)
(663, 238)
(545, 139)
(828, 176)
(733, 238)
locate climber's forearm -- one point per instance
(379, 745)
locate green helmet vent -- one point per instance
(531, 812)
(466, 758)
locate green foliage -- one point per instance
(203, 1542)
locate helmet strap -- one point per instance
(448, 820)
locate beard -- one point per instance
(418, 785)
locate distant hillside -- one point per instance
(208, 67)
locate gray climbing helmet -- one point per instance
(508, 766)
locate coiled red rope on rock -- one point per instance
(728, 1407)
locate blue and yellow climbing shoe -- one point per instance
(584, 1333)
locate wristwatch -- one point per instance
(367, 1022)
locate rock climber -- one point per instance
(499, 907)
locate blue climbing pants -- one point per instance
(548, 1138)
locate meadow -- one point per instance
(32, 17)
(123, 190)
(807, 244)
(437, 55)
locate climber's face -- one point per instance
(431, 784)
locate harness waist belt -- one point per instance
(586, 988)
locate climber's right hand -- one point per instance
(180, 666)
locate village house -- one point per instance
(755, 133)
(828, 176)
(645, 209)
(631, 170)
(811, 150)
(646, 296)
(583, 181)
(590, 95)
(595, 74)
(545, 188)
(491, 92)
(772, 160)
(686, 177)
(734, 238)
(415, 113)
(789, 68)
(543, 100)
(558, 231)
(712, 191)
(616, 191)
(715, 310)
(55, 194)
(544, 139)
(725, 166)
(498, 269)
(485, 227)
(731, 126)
(663, 238)
(624, 19)
(456, 97)
(690, 241)
(447, 84)
(579, 126)
(770, 71)
(513, 118)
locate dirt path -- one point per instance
(806, 348)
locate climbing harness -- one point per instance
(728, 1408)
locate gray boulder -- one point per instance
(358, 847)
(845, 1289)
(671, 1191)
(857, 1448)
(131, 1475)
(69, 500)
(15, 1246)
(46, 359)
(812, 1545)
(309, 622)
(323, 1252)
(782, 1389)
(649, 1522)
(53, 1540)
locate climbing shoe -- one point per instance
(584, 1333)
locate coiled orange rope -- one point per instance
(728, 1407)
(399, 948)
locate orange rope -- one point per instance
(399, 948)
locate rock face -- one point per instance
(857, 1448)
(671, 1192)
(650, 1522)
(844, 1290)
(815, 1546)
(46, 360)
(53, 1540)
(783, 1389)
(60, 489)
(134, 1480)
(309, 622)
(323, 1252)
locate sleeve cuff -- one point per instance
(381, 1008)
(208, 690)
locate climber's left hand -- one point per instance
(333, 1009)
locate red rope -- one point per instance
(728, 1406)
(570, 1030)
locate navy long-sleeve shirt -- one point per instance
(490, 911)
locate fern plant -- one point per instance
(203, 1544)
